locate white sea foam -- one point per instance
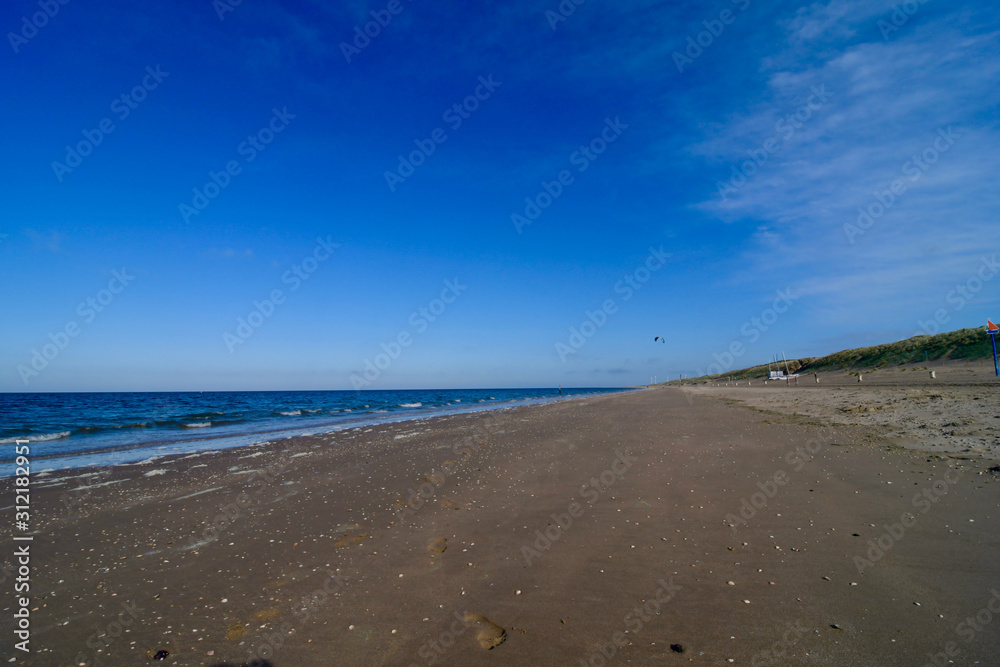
(41, 437)
(198, 425)
(410, 405)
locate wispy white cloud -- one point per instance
(888, 101)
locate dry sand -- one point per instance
(315, 557)
(955, 413)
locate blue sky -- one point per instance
(740, 138)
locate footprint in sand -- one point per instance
(266, 614)
(345, 539)
(490, 634)
(438, 545)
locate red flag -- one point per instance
(990, 327)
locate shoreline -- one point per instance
(616, 524)
(130, 454)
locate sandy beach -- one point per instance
(954, 413)
(703, 526)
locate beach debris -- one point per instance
(490, 634)
(438, 545)
(835, 626)
(676, 648)
(162, 654)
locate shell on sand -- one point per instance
(438, 545)
(490, 634)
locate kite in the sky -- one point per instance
(659, 338)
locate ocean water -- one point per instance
(84, 429)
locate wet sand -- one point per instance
(679, 526)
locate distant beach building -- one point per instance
(779, 374)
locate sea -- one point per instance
(74, 430)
